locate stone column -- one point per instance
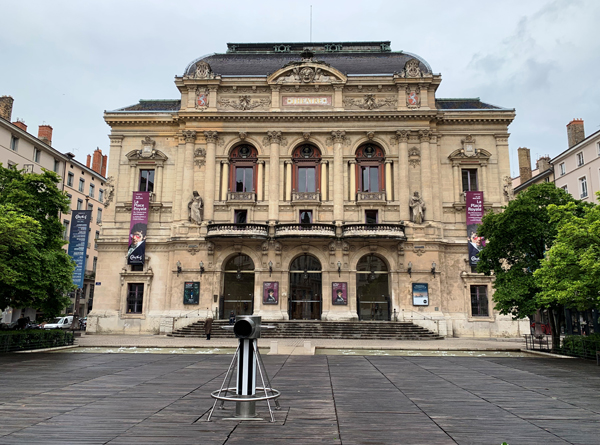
(503, 167)
(158, 185)
(436, 178)
(177, 195)
(426, 191)
(274, 137)
(275, 99)
(209, 175)
(352, 187)
(389, 191)
(483, 185)
(338, 138)
(191, 99)
(403, 180)
(324, 180)
(424, 96)
(338, 103)
(456, 177)
(401, 96)
(188, 173)
(224, 180)
(133, 183)
(288, 181)
(116, 145)
(259, 181)
(212, 100)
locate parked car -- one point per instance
(60, 323)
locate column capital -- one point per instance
(387, 161)
(424, 135)
(287, 162)
(338, 136)
(261, 162)
(115, 139)
(225, 162)
(274, 137)
(189, 136)
(401, 136)
(502, 138)
(353, 161)
(324, 162)
(211, 136)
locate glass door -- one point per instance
(306, 299)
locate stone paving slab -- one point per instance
(92, 398)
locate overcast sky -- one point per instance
(65, 62)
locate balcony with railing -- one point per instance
(370, 197)
(306, 197)
(393, 231)
(237, 230)
(243, 197)
(305, 231)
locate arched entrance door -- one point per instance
(238, 286)
(372, 289)
(306, 299)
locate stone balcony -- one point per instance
(306, 198)
(243, 197)
(390, 231)
(305, 231)
(258, 231)
(370, 198)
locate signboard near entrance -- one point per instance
(271, 292)
(420, 294)
(191, 292)
(339, 293)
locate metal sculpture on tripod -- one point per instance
(244, 394)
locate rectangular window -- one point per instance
(244, 179)
(146, 181)
(583, 187)
(14, 143)
(370, 179)
(81, 184)
(70, 177)
(580, 159)
(70, 200)
(135, 298)
(240, 216)
(28, 168)
(12, 165)
(99, 218)
(563, 169)
(79, 204)
(56, 165)
(101, 195)
(371, 216)
(66, 225)
(479, 301)
(598, 148)
(565, 188)
(306, 179)
(91, 190)
(94, 264)
(90, 207)
(36, 155)
(306, 217)
(96, 240)
(469, 180)
(91, 295)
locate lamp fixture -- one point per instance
(238, 275)
(201, 268)
(433, 265)
(179, 269)
(409, 269)
(339, 265)
(270, 267)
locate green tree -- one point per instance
(34, 269)
(570, 273)
(516, 243)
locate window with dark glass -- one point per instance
(95, 262)
(370, 179)
(79, 204)
(306, 159)
(56, 165)
(369, 165)
(242, 164)
(371, 216)
(96, 240)
(70, 177)
(306, 217)
(14, 143)
(240, 216)
(36, 156)
(100, 195)
(244, 179)
(91, 190)
(99, 217)
(479, 301)
(135, 298)
(469, 179)
(146, 181)
(81, 184)
(306, 179)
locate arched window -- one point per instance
(242, 162)
(307, 168)
(369, 168)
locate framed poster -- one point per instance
(420, 294)
(270, 292)
(339, 293)
(191, 292)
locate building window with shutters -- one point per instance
(479, 301)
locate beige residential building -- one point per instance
(303, 181)
(22, 150)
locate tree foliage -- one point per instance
(34, 269)
(570, 273)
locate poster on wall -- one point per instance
(474, 201)
(140, 205)
(420, 294)
(191, 292)
(339, 293)
(270, 292)
(78, 239)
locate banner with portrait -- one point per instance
(78, 240)
(140, 206)
(474, 208)
(270, 292)
(339, 293)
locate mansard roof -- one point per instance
(464, 104)
(351, 58)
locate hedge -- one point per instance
(34, 339)
(581, 346)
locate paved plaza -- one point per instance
(93, 398)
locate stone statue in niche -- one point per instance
(509, 193)
(417, 206)
(195, 209)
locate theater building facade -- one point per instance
(302, 181)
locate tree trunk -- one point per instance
(555, 316)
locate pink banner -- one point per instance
(140, 207)
(475, 211)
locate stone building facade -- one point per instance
(302, 181)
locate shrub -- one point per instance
(34, 339)
(581, 346)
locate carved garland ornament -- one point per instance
(245, 103)
(369, 102)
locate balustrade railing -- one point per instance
(322, 230)
(241, 196)
(234, 230)
(370, 196)
(306, 196)
(374, 230)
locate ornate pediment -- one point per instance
(147, 152)
(478, 154)
(307, 71)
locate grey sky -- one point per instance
(65, 62)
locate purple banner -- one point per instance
(474, 215)
(270, 292)
(339, 292)
(140, 207)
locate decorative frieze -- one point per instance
(370, 102)
(244, 103)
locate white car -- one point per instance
(60, 323)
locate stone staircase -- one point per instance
(350, 330)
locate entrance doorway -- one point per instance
(372, 289)
(238, 286)
(306, 299)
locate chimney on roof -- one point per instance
(524, 164)
(89, 160)
(19, 123)
(543, 164)
(98, 162)
(6, 106)
(45, 134)
(104, 164)
(575, 132)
